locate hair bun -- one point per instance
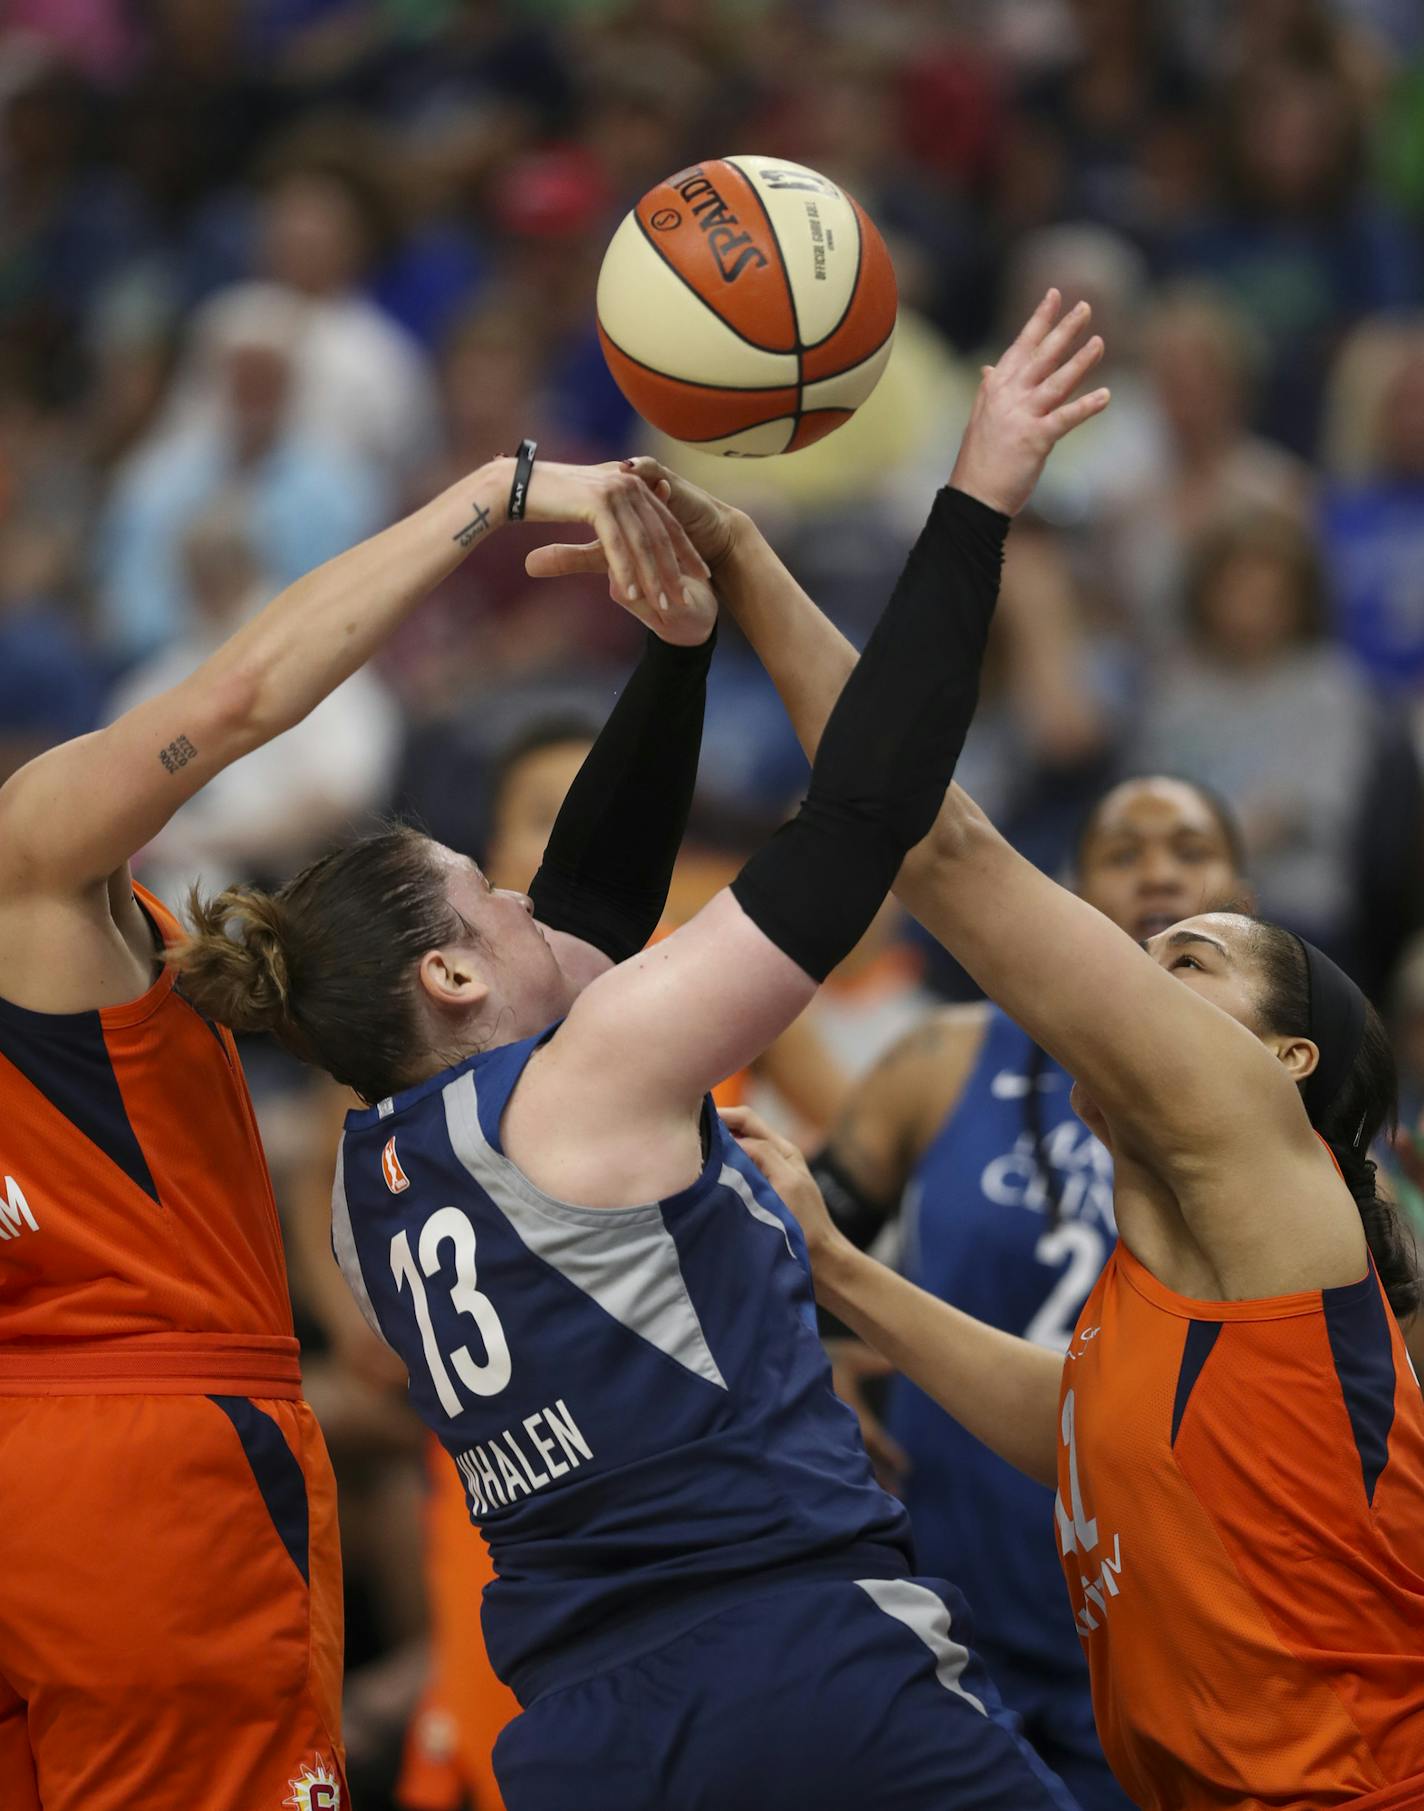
(235, 965)
(261, 934)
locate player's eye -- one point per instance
(1187, 962)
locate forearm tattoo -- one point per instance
(177, 754)
(472, 531)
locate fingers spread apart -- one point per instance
(1033, 334)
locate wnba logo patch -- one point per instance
(396, 1179)
(315, 1788)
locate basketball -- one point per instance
(746, 306)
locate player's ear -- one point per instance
(451, 982)
(1298, 1054)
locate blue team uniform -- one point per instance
(702, 1596)
(977, 1232)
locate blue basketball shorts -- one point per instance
(822, 1696)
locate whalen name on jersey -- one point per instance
(636, 1398)
(492, 1481)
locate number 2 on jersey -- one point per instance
(487, 1379)
(1084, 1248)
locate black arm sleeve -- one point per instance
(609, 859)
(890, 747)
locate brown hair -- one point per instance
(327, 964)
(345, 150)
(1260, 535)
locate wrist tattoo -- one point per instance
(177, 754)
(472, 531)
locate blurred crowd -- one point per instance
(272, 271)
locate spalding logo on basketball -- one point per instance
(746, 305)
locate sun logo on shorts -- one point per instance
(315, 1788)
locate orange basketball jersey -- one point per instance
(1241, 1518)
(138, 1234)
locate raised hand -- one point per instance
(654, 569)
(709, 524)
(1025, 406)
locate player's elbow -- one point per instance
(959, 833)
(246, 706)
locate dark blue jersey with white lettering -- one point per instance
(977, 1232)
(635, 1397)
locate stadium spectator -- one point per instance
(1372, 516)
(1098, 119)
(65, 226)
(50, 681)
(360, 380)
(1265, 710)
(308, 498)
(1201, 359)
(1297, 236)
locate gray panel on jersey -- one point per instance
(624, 1258)
(343, 1241)
(927, 1615)
(737, 1182)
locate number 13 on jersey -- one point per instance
(448, 1224)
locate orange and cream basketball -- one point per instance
(746, 305)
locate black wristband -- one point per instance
(523, 468)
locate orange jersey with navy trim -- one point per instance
(1241, 1517)
(138, 1232)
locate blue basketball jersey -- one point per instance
(636, 1398)
(977, 1233)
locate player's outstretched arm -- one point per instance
(1002, 1389)
(616, 1093)
(643, 1043)
(1190, 1093)
(78, 812)
(71, 819)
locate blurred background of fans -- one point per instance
(271, 271)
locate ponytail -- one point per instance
(1390, 1240)
(1305, 996)
(328, 964)
(234, 963)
